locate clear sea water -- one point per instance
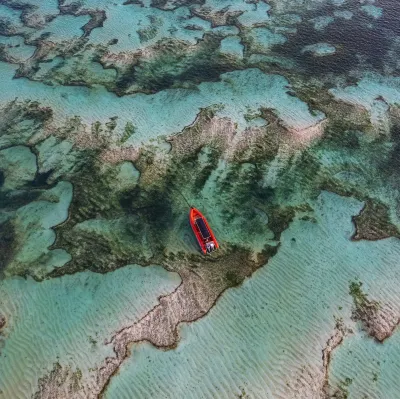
(280, 121)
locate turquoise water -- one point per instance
(232, 45)
(266, 337)
(49, 7)
(372, 368)
(368, 89)
(141, 27)
(64, 27)
(278, 120)
(169, 111)
(16, 48)
(64, 323)
(372, 11)
(263, 39)
(33, 227)
(18, 165)
(320, 49)
(11, 17)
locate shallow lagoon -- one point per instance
(292, 117)
(70, 320)
(169, 111)
(266, 337)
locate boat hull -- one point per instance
(202, 230)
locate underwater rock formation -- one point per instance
(334, 341)
(115, 116)
(373, 223)
(2, 321)
(378, 320)
(60, 383)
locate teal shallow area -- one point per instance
(168, 111)
(67, 320)
(343, 14)
(253, 14)
(372, 11)
(18, 165)
(370, 368)
(370, 87)
(319, 49)
(263, 39)
(48, 7)
(63, 27)
(250, 13)
(273, 106)
(320, 23)
(136, 26)
(232, 45)
(11, 17)
(34, 234)
(15, 47)
(266, 337)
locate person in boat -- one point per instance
(210, 246)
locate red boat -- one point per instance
(205, 237)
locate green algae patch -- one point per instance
(18, 165)
(176, 64)
(359, 297)
(7, 242)
(110, 219)
(149, 32)
(57, 376)
(33, 233)
(343, 389)
(130, 129)
(81, 67)
(123, 213)
(58, 158)
(20, 121)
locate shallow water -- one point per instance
(59, 320)
(265, 338)
(279, 121)
(168, 111)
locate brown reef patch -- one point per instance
(60, 383)
(7, 243)
(378, 320)
(203, 281)
(333, 343)
(217, 17)
(373, 223)
(3, 321)
(97, 17)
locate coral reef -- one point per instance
(128, 112)
(378, 320)
(334, 341)
(60, 383)
(373, 223)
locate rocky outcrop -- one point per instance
(62, 382)
(341, 331)
(373, 223)
(378, 320)
(3, 321)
